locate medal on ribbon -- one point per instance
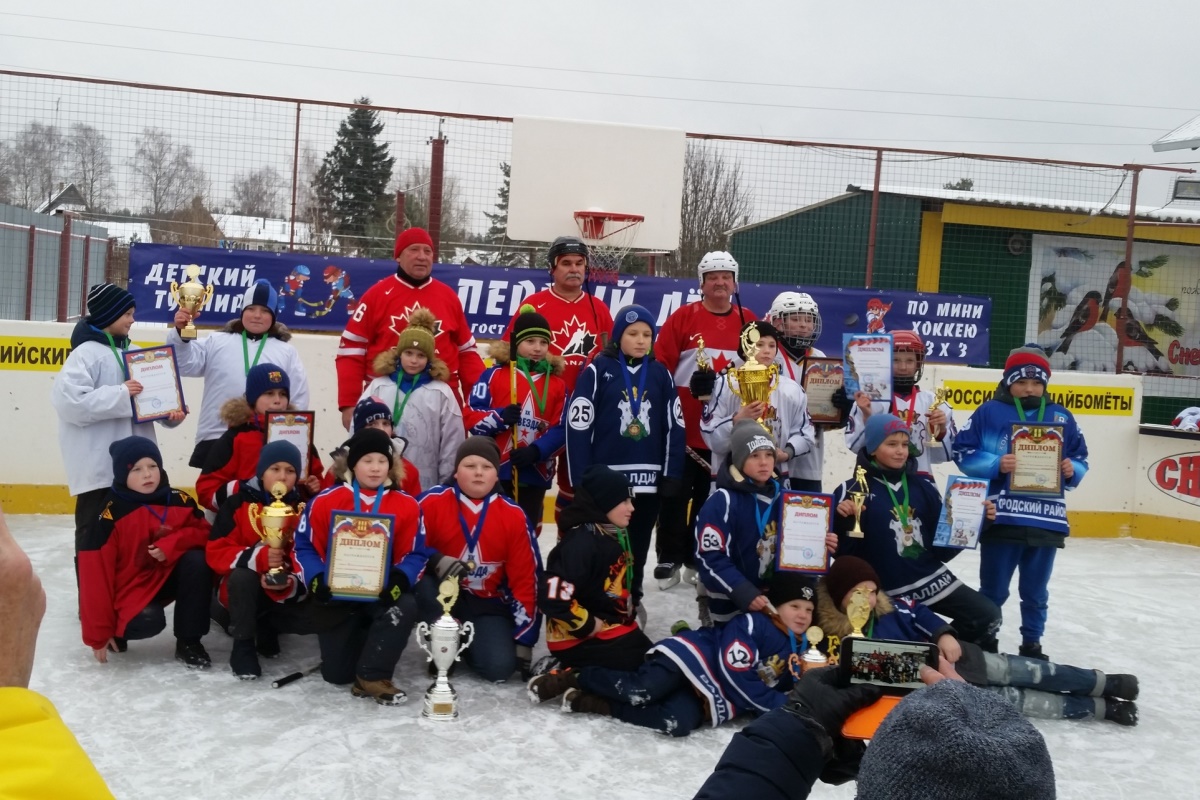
(636, 429)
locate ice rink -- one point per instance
(156, 730)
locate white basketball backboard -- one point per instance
(563, 166)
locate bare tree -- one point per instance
(6, 178)
(169, 177)
(714, 201)
(257, 193)
(91, 167)
(414, 182)
(37, 156)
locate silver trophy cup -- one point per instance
(442, 641)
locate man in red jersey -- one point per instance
(719, 322)
(579, 326)
(382, 315)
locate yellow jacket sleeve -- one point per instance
(39, 756)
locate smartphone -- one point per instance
(893, 666)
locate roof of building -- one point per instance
(261, 229)
(1184, 137)
(68, 195)
(126, 232)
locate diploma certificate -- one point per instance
(868, 364)
(360, 555)
(822, 377)
(962, 514)
(295, 427)
(1039, 452)
(806, 518)
(156, 370)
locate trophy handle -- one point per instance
(423, 639)
(467, 630)
(175, 291)
(208, 293)
(732, 387)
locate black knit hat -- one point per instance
(107, 303)
(368, 440)
(484, 446)
(764, 328)
(846, 573)
(127, 452)
(529, 323)
(273, 453)
(788, 586)
(607, 487)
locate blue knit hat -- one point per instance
(264, 377)
(261, 293)
(881, 426)
(127, 452)
(107, 303)
(273, 453)
(629, 315)
(368, 410)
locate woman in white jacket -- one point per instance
(425, 410)
(223, 359)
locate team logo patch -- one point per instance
(760, 443)
(737, 656)
(711, 540)
(630, 317)
(275, 377)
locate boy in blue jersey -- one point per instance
(1029, 528)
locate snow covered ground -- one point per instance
(155, 729)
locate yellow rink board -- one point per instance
(1090, 400)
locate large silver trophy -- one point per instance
(443, 642)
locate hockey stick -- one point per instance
(512, 444)
(699, 459)
(295, 676)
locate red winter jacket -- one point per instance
(233, 542)
(118, 577)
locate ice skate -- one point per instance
(667, 575)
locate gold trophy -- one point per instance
(191, 297)
(813, 658)
(443, 642)
(755, 382)
(271, 525)
(858, 611)
(859, 498)
(939, 397)
(702, 363)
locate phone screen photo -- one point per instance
(891, 665)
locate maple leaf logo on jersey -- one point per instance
(399, 323)
(580, 342)
(719, 363)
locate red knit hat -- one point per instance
(1027, 361)
(409, 237)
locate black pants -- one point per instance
(493, 651)
(804, 485)
(250, 607)
(623, 653)
(641, 526)
(974, 617)
(369, 645)
(655, 695)
(200, 453)
(530, 499)
(677, 517)
(189, 587)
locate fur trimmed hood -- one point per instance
(236, 412)
(833, 621)
(501, 353)
(277, 330)
(341, 471)
(387, 362)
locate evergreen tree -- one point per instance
(352, 182)
(510, 253)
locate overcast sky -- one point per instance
(1113, 76)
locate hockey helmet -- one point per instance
(907, 341)
(566, 245)
(788, 303)
(717, 261)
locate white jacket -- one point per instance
(811, 465)
(927, 455)
(432, 423)
(94, 410)
(790, 425)
(218, 358)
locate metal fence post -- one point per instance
(1130, 222)
(874, 220)
(295, 183)
(64, 268)
(29, 272)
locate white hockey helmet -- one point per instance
(787, 303)
(717, 261)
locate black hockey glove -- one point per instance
(524, 661)
(510, 415)
(841, 401)
(397, 585)
(447, 567)
(670, 488)
(702, 383)
(525, 456)
(319, 588)
(824, 705)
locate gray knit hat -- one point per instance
(953, 740)
(747, 437)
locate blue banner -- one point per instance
(318, 292)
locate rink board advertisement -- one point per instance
(318, 292)
(1072, 277)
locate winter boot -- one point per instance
(266, 641)
(122, 644)
(577, 701)
(243, 660)
(383, 691)
(1120, 686)
(192, 653)
(667, 575)
(1033, 650)
(550, 685)
(1121, 712)
(690, 575)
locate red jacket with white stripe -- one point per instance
(233, 542)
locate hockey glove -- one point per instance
(510, 415)
(525, 456)
(319, 588)
(397, 585)
(824, 705)
(670, 488)
(447, 567)
(524, 661)
(702, 383)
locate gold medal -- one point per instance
(471, 565)
(635, 430)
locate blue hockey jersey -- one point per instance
(736, 667)
(984, 439)
(599, 415)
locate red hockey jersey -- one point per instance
(675, 348)
(234, 543)
(578, 328)
(504, 565)
(117, 575)
(382, 316)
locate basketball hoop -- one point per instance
(610, 236)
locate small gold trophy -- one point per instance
(271, 525)
(858, 611)
(702, 364)
(939, 397)
(859, 498)
(813, 658)
(755, 382)
(191, 297)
